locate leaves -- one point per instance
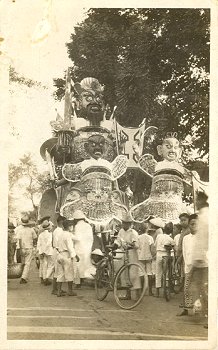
(27, 178)
(143, 54)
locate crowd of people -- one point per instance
(67, 253)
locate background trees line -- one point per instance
(154, 64)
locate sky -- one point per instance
(35, 35)
(35, 45)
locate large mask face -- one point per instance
(95, 146)
(90, 101)
(170, 149)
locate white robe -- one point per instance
(83, 247)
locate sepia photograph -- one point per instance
(108, 138)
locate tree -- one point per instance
(154, 64)
(26, 177)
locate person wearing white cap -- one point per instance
(83, 245)
(161, 240)
(44, 247)
(128, 237)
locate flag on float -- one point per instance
(126, 138)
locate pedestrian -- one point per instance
(200, 254)
(40, 222)
(187, 250)
(45, 250)
(83, 244)
(11, 243)
(55, 236)
(66, 259)
(184, 217)
(146, 252)
(160, 242)
(155, 227)
(128, 238)
(176, 235)
(27, 239)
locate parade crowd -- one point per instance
(68, 252)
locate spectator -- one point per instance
(187, 248)
(44, 247)
(56, 234)
(200, 253)
(126, 238)
(83, 245)
(184, 217)
(161, 240)
(146, 252)
(176, 235)
(66, 259)
(11, 243)
(27, 239)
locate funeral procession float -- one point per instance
(91, 156)
(108, 170)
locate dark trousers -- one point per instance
(199, 286)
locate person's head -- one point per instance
(168, 228)
(95, 146)
(155, 223)
(60, 220)
(11, 226)
(144, 227)
(169, 149)
(67, 225)
(44, 218)
(126, 222)
(78, 215)
(46, 225)
(201, 200)
(193, 223)
(184, 220)
(176, 229)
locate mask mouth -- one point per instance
(171, 154)
(94, 108)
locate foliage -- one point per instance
(25, 175)
(154, 64)
(15, 77)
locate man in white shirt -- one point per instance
(44, 247)
(83, 235)
(187, 250)
(27, 238)
(66, 258)
(55, 235)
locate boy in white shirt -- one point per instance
(146, 252)
(161, 240)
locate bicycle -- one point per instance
(170, 278)
(121, 281)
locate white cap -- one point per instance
(157, 222)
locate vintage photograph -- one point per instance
(108, 173)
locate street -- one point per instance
(34, 313)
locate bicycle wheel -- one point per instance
(102, 281)
(130, 285)
(166, 287)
